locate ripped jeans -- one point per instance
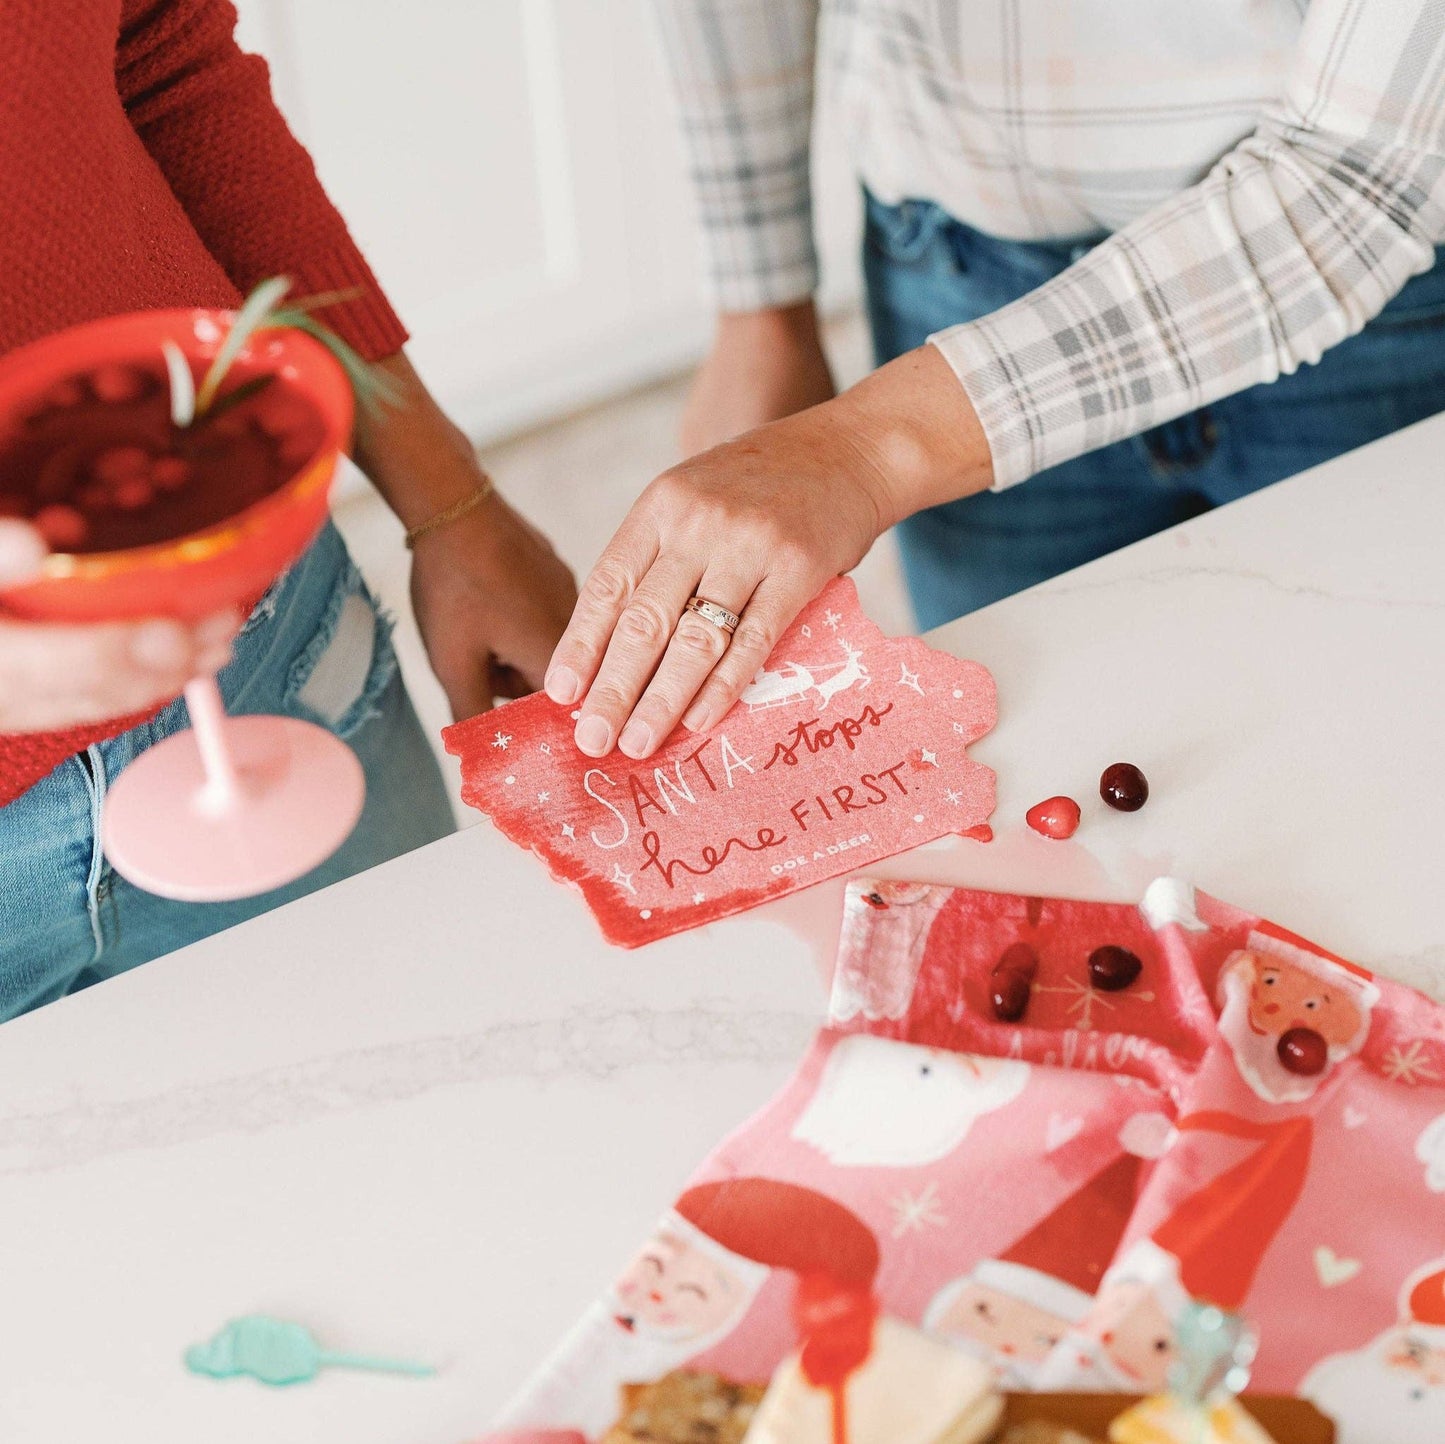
(316, 648)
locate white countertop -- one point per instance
(429, 1112)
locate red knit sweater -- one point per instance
(143, 164)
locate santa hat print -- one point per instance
(832, 1251)
(784, 1226)
(1422, 1304)
(1058, 1264)
(1220, 1234)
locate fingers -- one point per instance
(58, 676)
(607, 591)
(22, 549)
(696, 647)
(766, 618)
(643, 629)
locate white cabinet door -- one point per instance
(514, 174)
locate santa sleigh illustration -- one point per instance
(792, 682)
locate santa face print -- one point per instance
(1008, 1332)
(1267, 996)
(1134, 1334)
(1416, 1359)
(673, 1290)
(882, 1103)
(1390, 1391)
(1282, 996)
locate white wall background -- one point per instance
(512, 169)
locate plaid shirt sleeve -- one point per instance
(1291, 243)
(743, 70)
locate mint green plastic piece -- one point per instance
(279, 1353)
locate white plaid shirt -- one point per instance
(1272, 173)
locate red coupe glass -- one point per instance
(147, 519)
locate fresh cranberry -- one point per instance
(170, 473)
(1009, 994)
(1302, 1050)
(1011, 982)
(120, 463)
(1018, 958)
(62, 527)
(119, 383)
(1124, 787)
(1056, 817)
(1112, 968)
(132, 494)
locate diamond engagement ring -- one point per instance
(715, 613)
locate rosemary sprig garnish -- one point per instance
(263, 311)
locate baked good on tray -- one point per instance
(911, 1389)
(684, 1407)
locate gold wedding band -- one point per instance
(715, 613)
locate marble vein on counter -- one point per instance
(588, 1043)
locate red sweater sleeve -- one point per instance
(203, 109)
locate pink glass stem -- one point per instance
(208, 721)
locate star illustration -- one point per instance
(958, 727)
(931, 758)
(953, 796)
(545, 747)
(913, 1215)
(910, 679)
(831, 619)
(544, 796)
(1404, 1064)
(502, 741)
(622, 879)
(569, 831)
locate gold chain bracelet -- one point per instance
(454, 512)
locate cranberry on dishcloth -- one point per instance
(1011, 982)
(1056, 817)
(1124, 787)
(1302, 1050)
(1112, 968)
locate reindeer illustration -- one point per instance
(852, 671)
(792, 681)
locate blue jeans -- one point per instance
(315, 648)
(924, 271)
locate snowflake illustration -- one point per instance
(958, 727)
(831, 619)
(913, 1215)
(1405, 1063)
(544, 796)
(1083, 1000)
(502, 741)
(954, 796)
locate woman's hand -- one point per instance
(55, 676)
(758, 525)
(491, 598)
(763, 366)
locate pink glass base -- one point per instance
(297, 794)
